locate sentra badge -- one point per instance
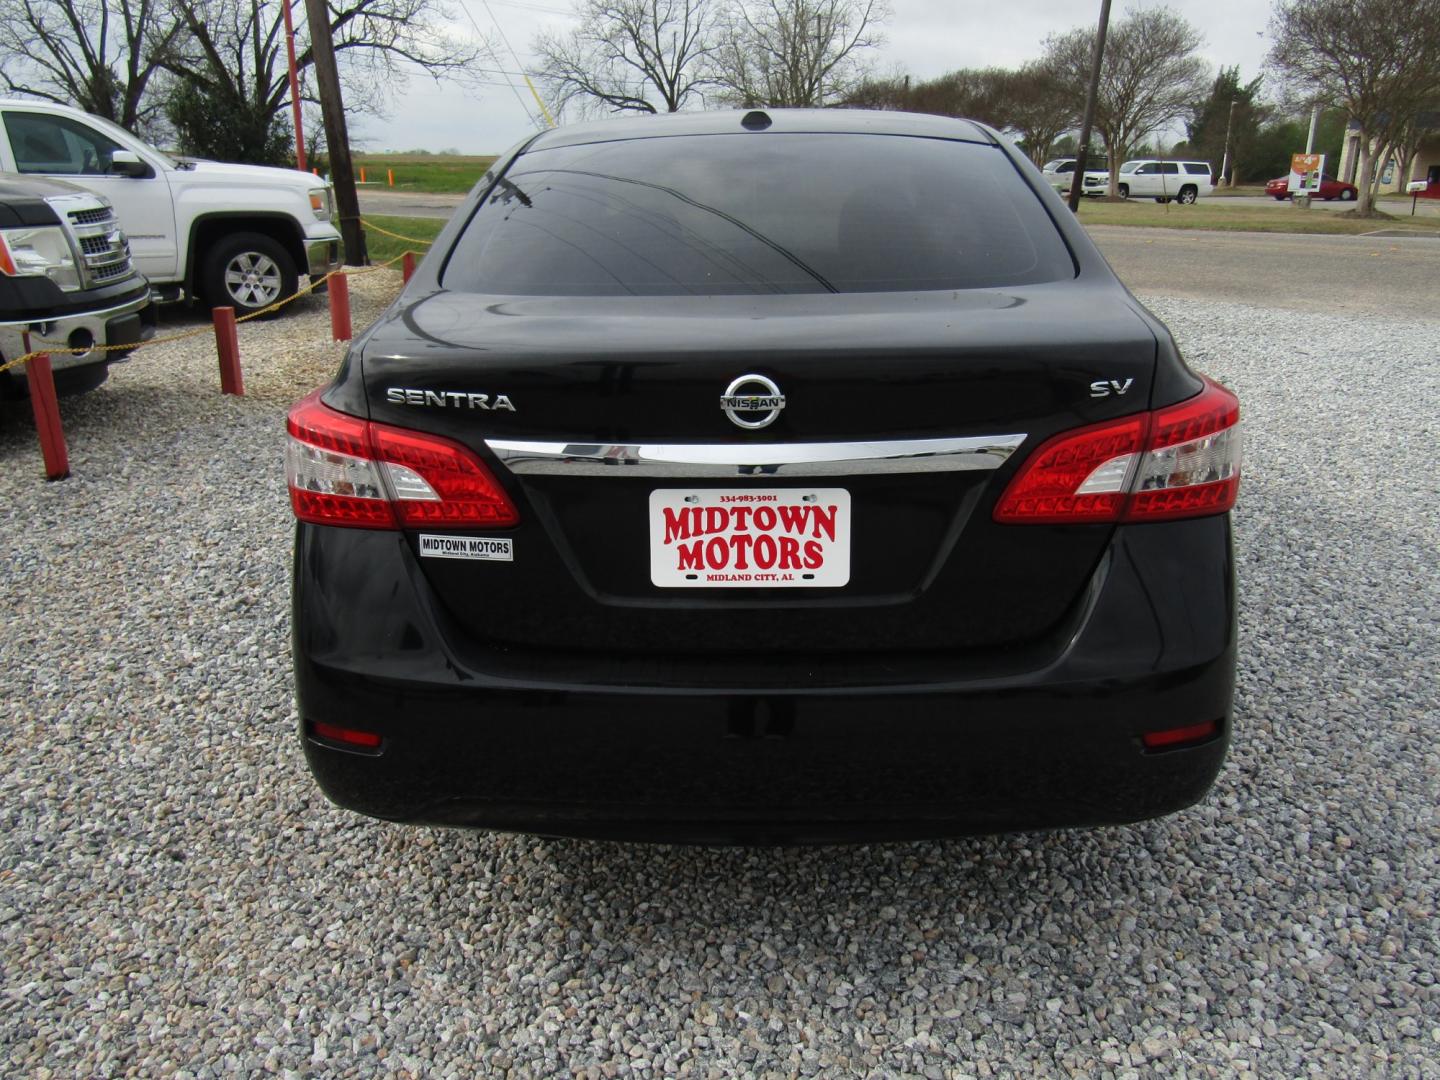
(449, 399)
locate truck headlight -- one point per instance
(39, 252)
(320, 203)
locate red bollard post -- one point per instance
(227, 344)
(340, 307)
(407, 266)
(47, 416)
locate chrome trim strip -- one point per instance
(526, 458)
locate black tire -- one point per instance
(1348, 195)
(247, 271)
(1188, 194)
(1281, 198)
(1124, 190)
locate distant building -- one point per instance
(1426, 166)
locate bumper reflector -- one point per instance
(1160, 740)
(349, 736)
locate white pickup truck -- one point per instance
(236, 235)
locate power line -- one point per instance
(513, 88)
(514, 56)
(534, 7)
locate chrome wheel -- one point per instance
(252, 279)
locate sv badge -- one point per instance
(1106, 387)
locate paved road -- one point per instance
(407, 203)
(1344, 274)
(1337, 274)
(1398, 208)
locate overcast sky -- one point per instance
(925, 38)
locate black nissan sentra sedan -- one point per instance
(764, 477)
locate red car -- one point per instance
(1330, 188)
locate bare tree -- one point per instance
(797, 52)
(230, 60)
(631, 55)
(97, 54)
(1041, 107)
(1376, 59)
(1033, 104)
(1149, 77)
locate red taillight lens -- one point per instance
(349, 736)
(328, 466)
(1076, 476)
(342, 470)
(1159, 740)
(454, 487)
(1180, 461)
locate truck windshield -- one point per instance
(123, 137)
(752, 214)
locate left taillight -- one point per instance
(342, 470)
(1176, 462)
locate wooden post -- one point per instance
(407, 267)
(227, 344)
(337, 138)
(340, 307)
(47, 415)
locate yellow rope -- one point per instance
(58, 348)
(396, 235)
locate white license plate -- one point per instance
(747, 538)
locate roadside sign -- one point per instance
(1305, 173)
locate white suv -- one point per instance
(1183, 181)
(232, 235)
(1061, 171)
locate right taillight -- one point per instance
(1180, 461)
(342, 470)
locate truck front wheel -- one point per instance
(248, 271)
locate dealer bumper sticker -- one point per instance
(467, 547)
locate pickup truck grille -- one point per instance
(92, 217)
(103, 248)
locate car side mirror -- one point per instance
(128, 163)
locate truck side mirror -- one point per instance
(128, 163)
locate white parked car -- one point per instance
(1061, 171)
(236, 235)
(1151, 178)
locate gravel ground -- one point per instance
(177, 899)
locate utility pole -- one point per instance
(337, 140)
(1082, 152)
(1310, 139)
(1225, 160)
(300, 162)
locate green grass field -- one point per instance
(1282, 218)
(382, 247)
(422, 172)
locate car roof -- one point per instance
(44, 106)
(790, 121)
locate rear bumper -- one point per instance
(893, 747)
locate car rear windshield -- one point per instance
(757, 213)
